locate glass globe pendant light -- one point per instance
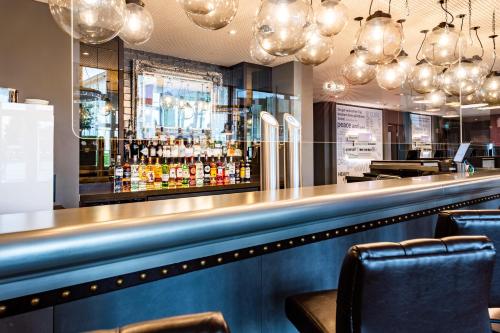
(463, 78)
(390, 76)
(424, 78)
(404, 61)
(445, 43)
(331, 17)
(94, 21)
(202, 7)
(436, 98)
(281, 26)
(222, 14)
(356, 72)
(139, 24)
(491, 88)
(317, 49)
(259, 54)
(380, 39)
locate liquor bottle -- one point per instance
(248, 174)
(166, 150)
(143, 175)
(158, 174)
(134, 148)
(185, 174)
(172, 179)
(134, 175)
(165, 174)
(196, 147)
(237, 178)
(179, 175)
(231, 171)
(192, 173)
(180, 144)
(126, 182)
(150, 172)
(118, 179)
(226, 172)
(188, 149)
(220, 172)
(111, 172)
(206, 172)
(242, 171)
(159, 150)
(152, 150)
(144, 150)
(199, 172)
(174, 147)
(213, 173)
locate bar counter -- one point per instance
(134, 244)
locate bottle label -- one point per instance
(247, 173)
(179, 173)
(145, 152)
(165, 177)
(151, 176)
(207, 168)
(220, 171)
(119, 173)
(185, 173)
(173, 173)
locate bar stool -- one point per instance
(476, 222)
(417, 286)
(209, 322)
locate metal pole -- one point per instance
(293, 152)
(269, 157)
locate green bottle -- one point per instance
(165, 174)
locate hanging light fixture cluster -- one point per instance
(289, 27)
(99, 21)
(378, 52)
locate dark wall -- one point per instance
(36, 58)
(325, 147)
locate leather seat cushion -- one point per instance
(313, 312)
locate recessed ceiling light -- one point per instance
(232, 32)
(490, 107)
(472, 106)
(451, 116)
(85, 54)
(434, 109)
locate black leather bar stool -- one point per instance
(476, 222)
(209, 322)
(417, 286)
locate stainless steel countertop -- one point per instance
(32, 243)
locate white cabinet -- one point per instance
(26, 157)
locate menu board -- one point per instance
(359, 140)
(421, 134)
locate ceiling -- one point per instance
(176, 35)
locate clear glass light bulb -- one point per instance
(379, 39)
(281, 26)
(317, 49)
(94, 21)
(356, 72)
(223, 13)
(331, 17)
(405, 63)
(138, 26)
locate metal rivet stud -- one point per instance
(337, 232)
(3, 308)
(94, 287)
(203, 263)
(290, 242)
(236, 255)
(143, 276)
(164, 271)
(313, 237)
(302, 240)
(35, 301)
(119, 282)
(184, 267)
(278, 245)
(327, 234)
(251, 251)
(265, 248)
(65, 294)
(219, 260)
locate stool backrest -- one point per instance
(424, 285)
(209, 322)
(475, 222)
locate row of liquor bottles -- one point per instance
(182, 145)
(175, 173)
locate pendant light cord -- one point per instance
(370, 10)
(422, 44)
(476, 29)
(493, 36)
(390, 6)
(470, 25)
(444, 7)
